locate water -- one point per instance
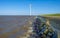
(11, 25)
(56, 27)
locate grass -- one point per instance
(51, 15)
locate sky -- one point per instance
(22, 7)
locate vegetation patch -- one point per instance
(51, 15)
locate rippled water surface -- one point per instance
(11, 26)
